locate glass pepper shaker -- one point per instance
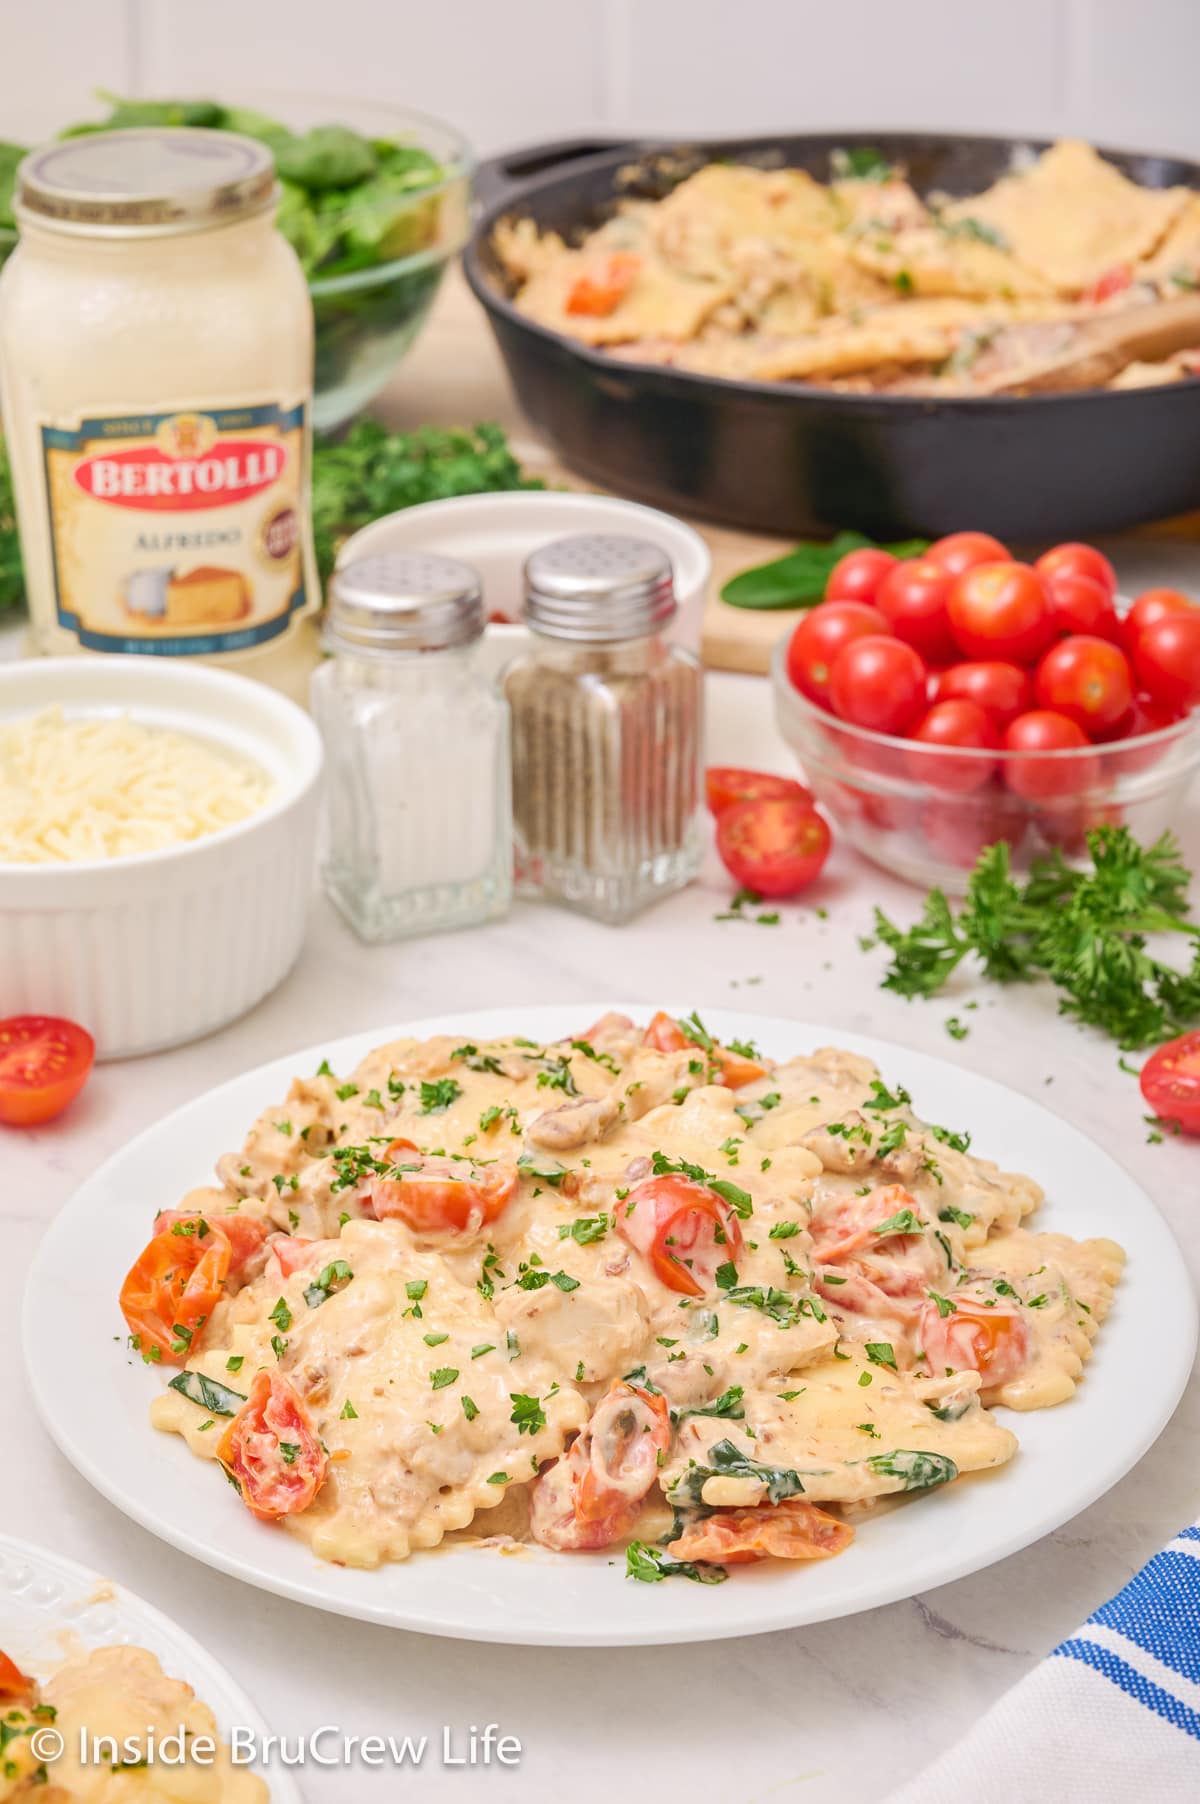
(607, 730)
(418, 830)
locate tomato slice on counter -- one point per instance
(44, 1064)
(1170, 1082)
(775, 848)
(791, 1530)
(996, 1343)
(724, 785)
(436, 1195)
(245, 1235)
(13, 1683)
(734, 1069)
(599, 291)
(171, 1291)
(685, 1230)
(271, 1450)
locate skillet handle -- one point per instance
(500, 179)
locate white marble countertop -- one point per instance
(843, 1711)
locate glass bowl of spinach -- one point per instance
(375, 201)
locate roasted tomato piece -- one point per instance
(171, 1291)
(1171, 1082)
(13, 1683)
(996, 1343)
(271, 1450)
(436, 1195)
(245, 1235)
(600, 290)
(733, 1069)
(791, 1530)
(853, 1222)
(685, 1230)
(590, 1497)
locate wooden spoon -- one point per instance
(1099, 349)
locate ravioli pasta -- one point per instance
(765, 274)
(633, 1287)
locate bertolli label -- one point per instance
(177, 532)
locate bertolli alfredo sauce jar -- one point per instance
(156, 378)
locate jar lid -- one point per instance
(599, 587)
(152, 179)
(404, 601)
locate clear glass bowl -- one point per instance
(926, 812)
(367, 319)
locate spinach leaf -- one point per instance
(920, 1471)
(728, 1461)
(798, 580)
(216, 1398)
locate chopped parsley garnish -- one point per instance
(882, 1099)
(584, 1229)
(539, 1165)
(470, 1408)
(475, 1060)
(415, 1289)
(499, 1478)
(235, 1362)
(739, 1200)
(442, 1377)
(437, 1097)
(345, 1091)
(784, 1230)
(944, 1306)
(727, 1408)
(485, 1346)
(881, 1353)
(959, 1216)
(289, 1450)
(348, 1412)
(651, 1564)
(527, 1413)
(556, 1075)
(434, 1340)
(281, 1315)
(332, 1278)
(903, 1222)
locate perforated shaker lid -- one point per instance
(599, 587)
(404, 601)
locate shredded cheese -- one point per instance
(76, 789)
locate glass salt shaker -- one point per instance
(607, 721)
(418, 827)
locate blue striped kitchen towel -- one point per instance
(1112, 1717)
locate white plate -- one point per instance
(1069, 1456)
(52, 1610)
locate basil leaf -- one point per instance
(798, 579)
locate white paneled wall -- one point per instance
(1119, 71)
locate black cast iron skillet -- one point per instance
(792, 458)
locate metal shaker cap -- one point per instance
(404, 601)
(599, 588)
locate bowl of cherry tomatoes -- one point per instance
(941, 703)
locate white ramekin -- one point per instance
(161, 947)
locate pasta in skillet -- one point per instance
(631, 1287)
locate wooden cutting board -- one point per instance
(455, 376)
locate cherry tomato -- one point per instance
(857, 576)
(685, 1230)
(271, 1450)
(1088, 680)
(961, 551)
(171, 1291)
(776, 848)
(1145, 717)
(848, 1224)
(734, 1069)
(600, 290)
(436, 1195)
(955, 723)
(1044, 779)
(1167, 659)
(880, 683)
(912, 599)
(1078, 560)
(1000, 611)
(1149, 608)
(245, 1235)
(591, 1496)
(724, 785)
(1002, 690)
(1081, 604)
(13, 1683)
(996, 1343)
(791, 1530)
(1171, 1082)
(44, 1064)
(819, 638)
(1114, 280)
(958, 831)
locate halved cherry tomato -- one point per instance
(1003, 690)
(271, 1450)
(1150, 607)
(1043, 779)
(1171, 1082)
(1167, 659)
(960, 551)
(880, 683)
(776, 848)
(1081, 604)
(734, 1069)
(599, 291)
(171, 1291)
(1088, 680)
(791, 1530)
(44, 1064)
(591, 1496)
(13, 1683)
(244, 1234)
(1000, 611)
(857, 576)
(996, 1343)
(1114, 280)
(1078, 560)
(950, 724)
(849, 1223)
(724, 785)
(293, 1252)
(818, 639)
(436, 1195)
(912, 599)
(685, 1230)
